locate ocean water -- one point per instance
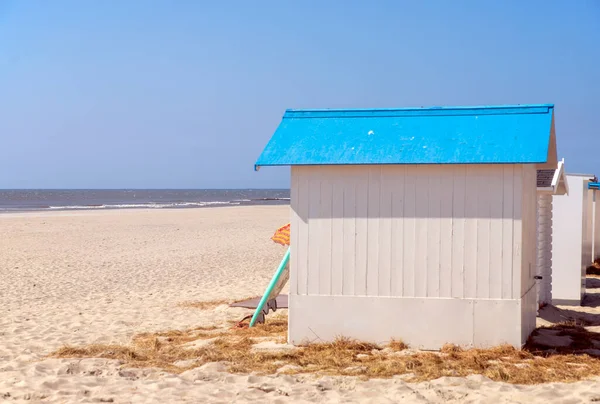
(48, 200)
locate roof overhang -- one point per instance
(506, 134)
(558, 185)
(552, 158)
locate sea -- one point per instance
(14, 200)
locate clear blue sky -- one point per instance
(185, 94)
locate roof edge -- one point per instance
(425, 111)
(592, 176)
(259, 164)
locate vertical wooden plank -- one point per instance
(526, 268)
(446, 238)
(302, 253)
(385, 231)
(373, 247)
(434, 231)
(325, 223)
(529, 228)
(596, 221)
(337, 233)
(397, 230)
(471, 209)
(408, 267)
(517, 241)
(349, 231)
(533, 224)
(459, 190)
(485, 173)
(422, 220)
(295, 224)
(507, 231)
(362, 213)
(314, 230)
(496, 189)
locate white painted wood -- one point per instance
(395, 179)
(458, 231)
(314, 233)
(588, 225)
(496, 237)
(596, 221)
(409, 228)
(349, 235)
(570, 252)
(529, 251)
(529, 229)
(337, 237)
(508, 226)
(434, 222)
(473, 194)
(544, 248)
(421, 222)
(373, 209)
(528, 313)
(424, 323)
(295, 227)
(485, 195)
(496, 322)
(361, 247)
(385, 232)
(300, 245)
(517, 239)
(415, 232)
(446, 236)
(325, 224)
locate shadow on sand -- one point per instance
(573, 330)
(564, 340)
(592, 282)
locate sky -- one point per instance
(186, 94)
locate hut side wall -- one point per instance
(571, 252)
(528, 251)
(588, 226)
(434, 242)
(596, 221)
(544, 248)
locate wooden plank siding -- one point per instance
(438, 231)
(529, 228)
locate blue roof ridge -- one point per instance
(420, 111)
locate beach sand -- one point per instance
(75, 278)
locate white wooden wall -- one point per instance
(588, 225)
(544, 248)
(439, 231)
(571, 245)
(596, 252)
(529, 230)
(528, 268)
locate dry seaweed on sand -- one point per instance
(235, 346)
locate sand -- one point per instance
(103, 276)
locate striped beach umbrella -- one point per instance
(282, 235)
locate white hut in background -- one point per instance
(417, 224)
(572, 236)
(594, 188)
(549, 182)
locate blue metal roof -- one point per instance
(507, 134)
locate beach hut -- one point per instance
(594, 187)
(549, 182)
(416, 224)
(572, 239)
